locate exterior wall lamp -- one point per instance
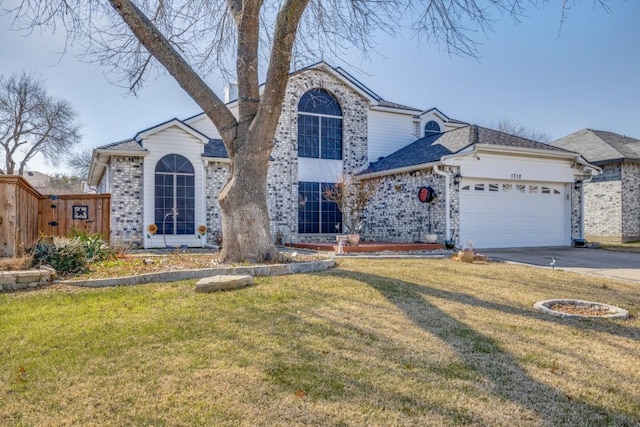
(456, 179)
(577, 184)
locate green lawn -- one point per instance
(372, 342)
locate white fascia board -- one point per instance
(127, 153)
(523, 151)
(403, 111)
(594, 170)
(404, 169)
(217, 159)
(96, 168)
(437, 112)
(174, 122)
(327, 68)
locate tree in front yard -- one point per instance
(351, 195)
(190, 38)
(32, 122)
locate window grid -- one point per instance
(319, 126)
(316, 214)
(175, 190)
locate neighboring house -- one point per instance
(612, 199)
(493, 189)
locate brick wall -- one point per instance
(603, 206)
(216, 176)
(396, 214)
(126, 201)
(283, 170)
(630, 202)
(612, 204)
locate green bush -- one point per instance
(66, 255)
(96, 248)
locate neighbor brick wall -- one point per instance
(126, 201)
(630, 202)
(603, 205)
(612, 204)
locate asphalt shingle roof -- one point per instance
(432, 148)
(124, 145)
(601, 147)
(215, 148)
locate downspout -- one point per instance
(447, 209)
(447, 193)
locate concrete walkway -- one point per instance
(599, 262)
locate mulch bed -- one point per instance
(581, 309)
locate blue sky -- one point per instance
(551, 78)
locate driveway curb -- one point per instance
(174, 276)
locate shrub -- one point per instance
(66, 255)
(96, 248)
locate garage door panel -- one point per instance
(516, 215)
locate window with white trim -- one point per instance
(174, 195)
(319, 126)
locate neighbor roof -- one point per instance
(431, 149)
(600, 147)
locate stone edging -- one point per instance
(614, 312)
(174, 276)
(23, 279)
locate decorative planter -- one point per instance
(354, 239)
(431, 238)
(449, 244)
(579, 243)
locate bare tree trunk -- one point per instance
(246, 229)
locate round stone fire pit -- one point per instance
(578, 309)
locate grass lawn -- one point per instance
(623, 247)
(370, 343)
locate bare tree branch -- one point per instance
(518, 129)
(31, 123)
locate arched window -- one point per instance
(431, 128)
(175, 195)
(319, 126)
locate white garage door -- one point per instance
(495, 214)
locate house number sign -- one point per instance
(516, 176)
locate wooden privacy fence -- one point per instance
(25, 215)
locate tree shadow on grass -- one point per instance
(504, 375)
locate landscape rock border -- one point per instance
(177, 275)
(615, 312)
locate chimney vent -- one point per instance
(230, 92)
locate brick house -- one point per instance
(611, 199)
(494, 189)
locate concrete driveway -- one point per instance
(619, 265)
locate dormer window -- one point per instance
(431, 128)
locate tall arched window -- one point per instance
(175, 195)
(319, 126)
